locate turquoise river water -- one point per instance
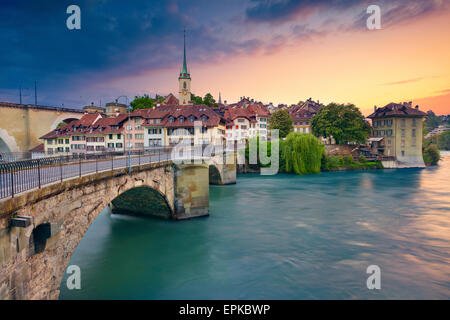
(282, 237)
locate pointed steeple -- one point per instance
(220, 98)
(184, 74)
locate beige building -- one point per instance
(397, 132)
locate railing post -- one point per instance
(39, 172)
(60, 168)
(79, 164)
(139, 156)
(96, 164)
(12, 182)
(112, 163)
(159, 154)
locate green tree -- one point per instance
(142, 102)
(443, 141)
(282, 121)
(302, 153)
(432, 121)
(196, 99)
(209, 100)
(60, 124)
(344, 122)
(431, 155)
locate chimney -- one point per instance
(375, 109)
(417, 106)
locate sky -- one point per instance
(279, 51)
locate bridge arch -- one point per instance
(7, 142)
(142, 201)
(36, 256)
(215, 176)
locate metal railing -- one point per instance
(20, 176)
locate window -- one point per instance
(50, 150)
(204, 118)
(389, 133)
(403, 122)
(413, 131)
(49, 141)
(204, 130)
(414, 122)
(119, 136)
(389, 142)
(60, 141)
(139, 136)
(403, 153)
(67, 149)
(110, 137)
(137, 120)
(243, 127)
(191, 118)
(171, 119)
(403, 132)
(111, 145)
(129, 136)
(119, 145)
(241, 120)
(375, 124)
(184, 84)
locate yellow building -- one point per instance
(397, 132)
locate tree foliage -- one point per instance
(432, 121)
(302, 153)
(431, 155)
(143, 102)
(207, 100)
(282, 121)
(344, 122)
(443, 141)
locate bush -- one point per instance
(330, 163)
(362, 159)
(302, 153)
(431, 155)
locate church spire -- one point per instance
(184, 73)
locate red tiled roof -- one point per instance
(397, 110)
(39, 148)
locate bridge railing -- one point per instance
(24, 175)
(20, 176)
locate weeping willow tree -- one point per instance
(302, 153)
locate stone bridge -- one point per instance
(40, 229)
(22, 125)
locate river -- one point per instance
(282, 237)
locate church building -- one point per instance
(184, 81)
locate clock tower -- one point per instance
(184, 80)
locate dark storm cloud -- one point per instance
(117, 38)
(274, 11)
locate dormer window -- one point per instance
(181, 119)
(204, 118)
(191, 118)
(171, 119)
